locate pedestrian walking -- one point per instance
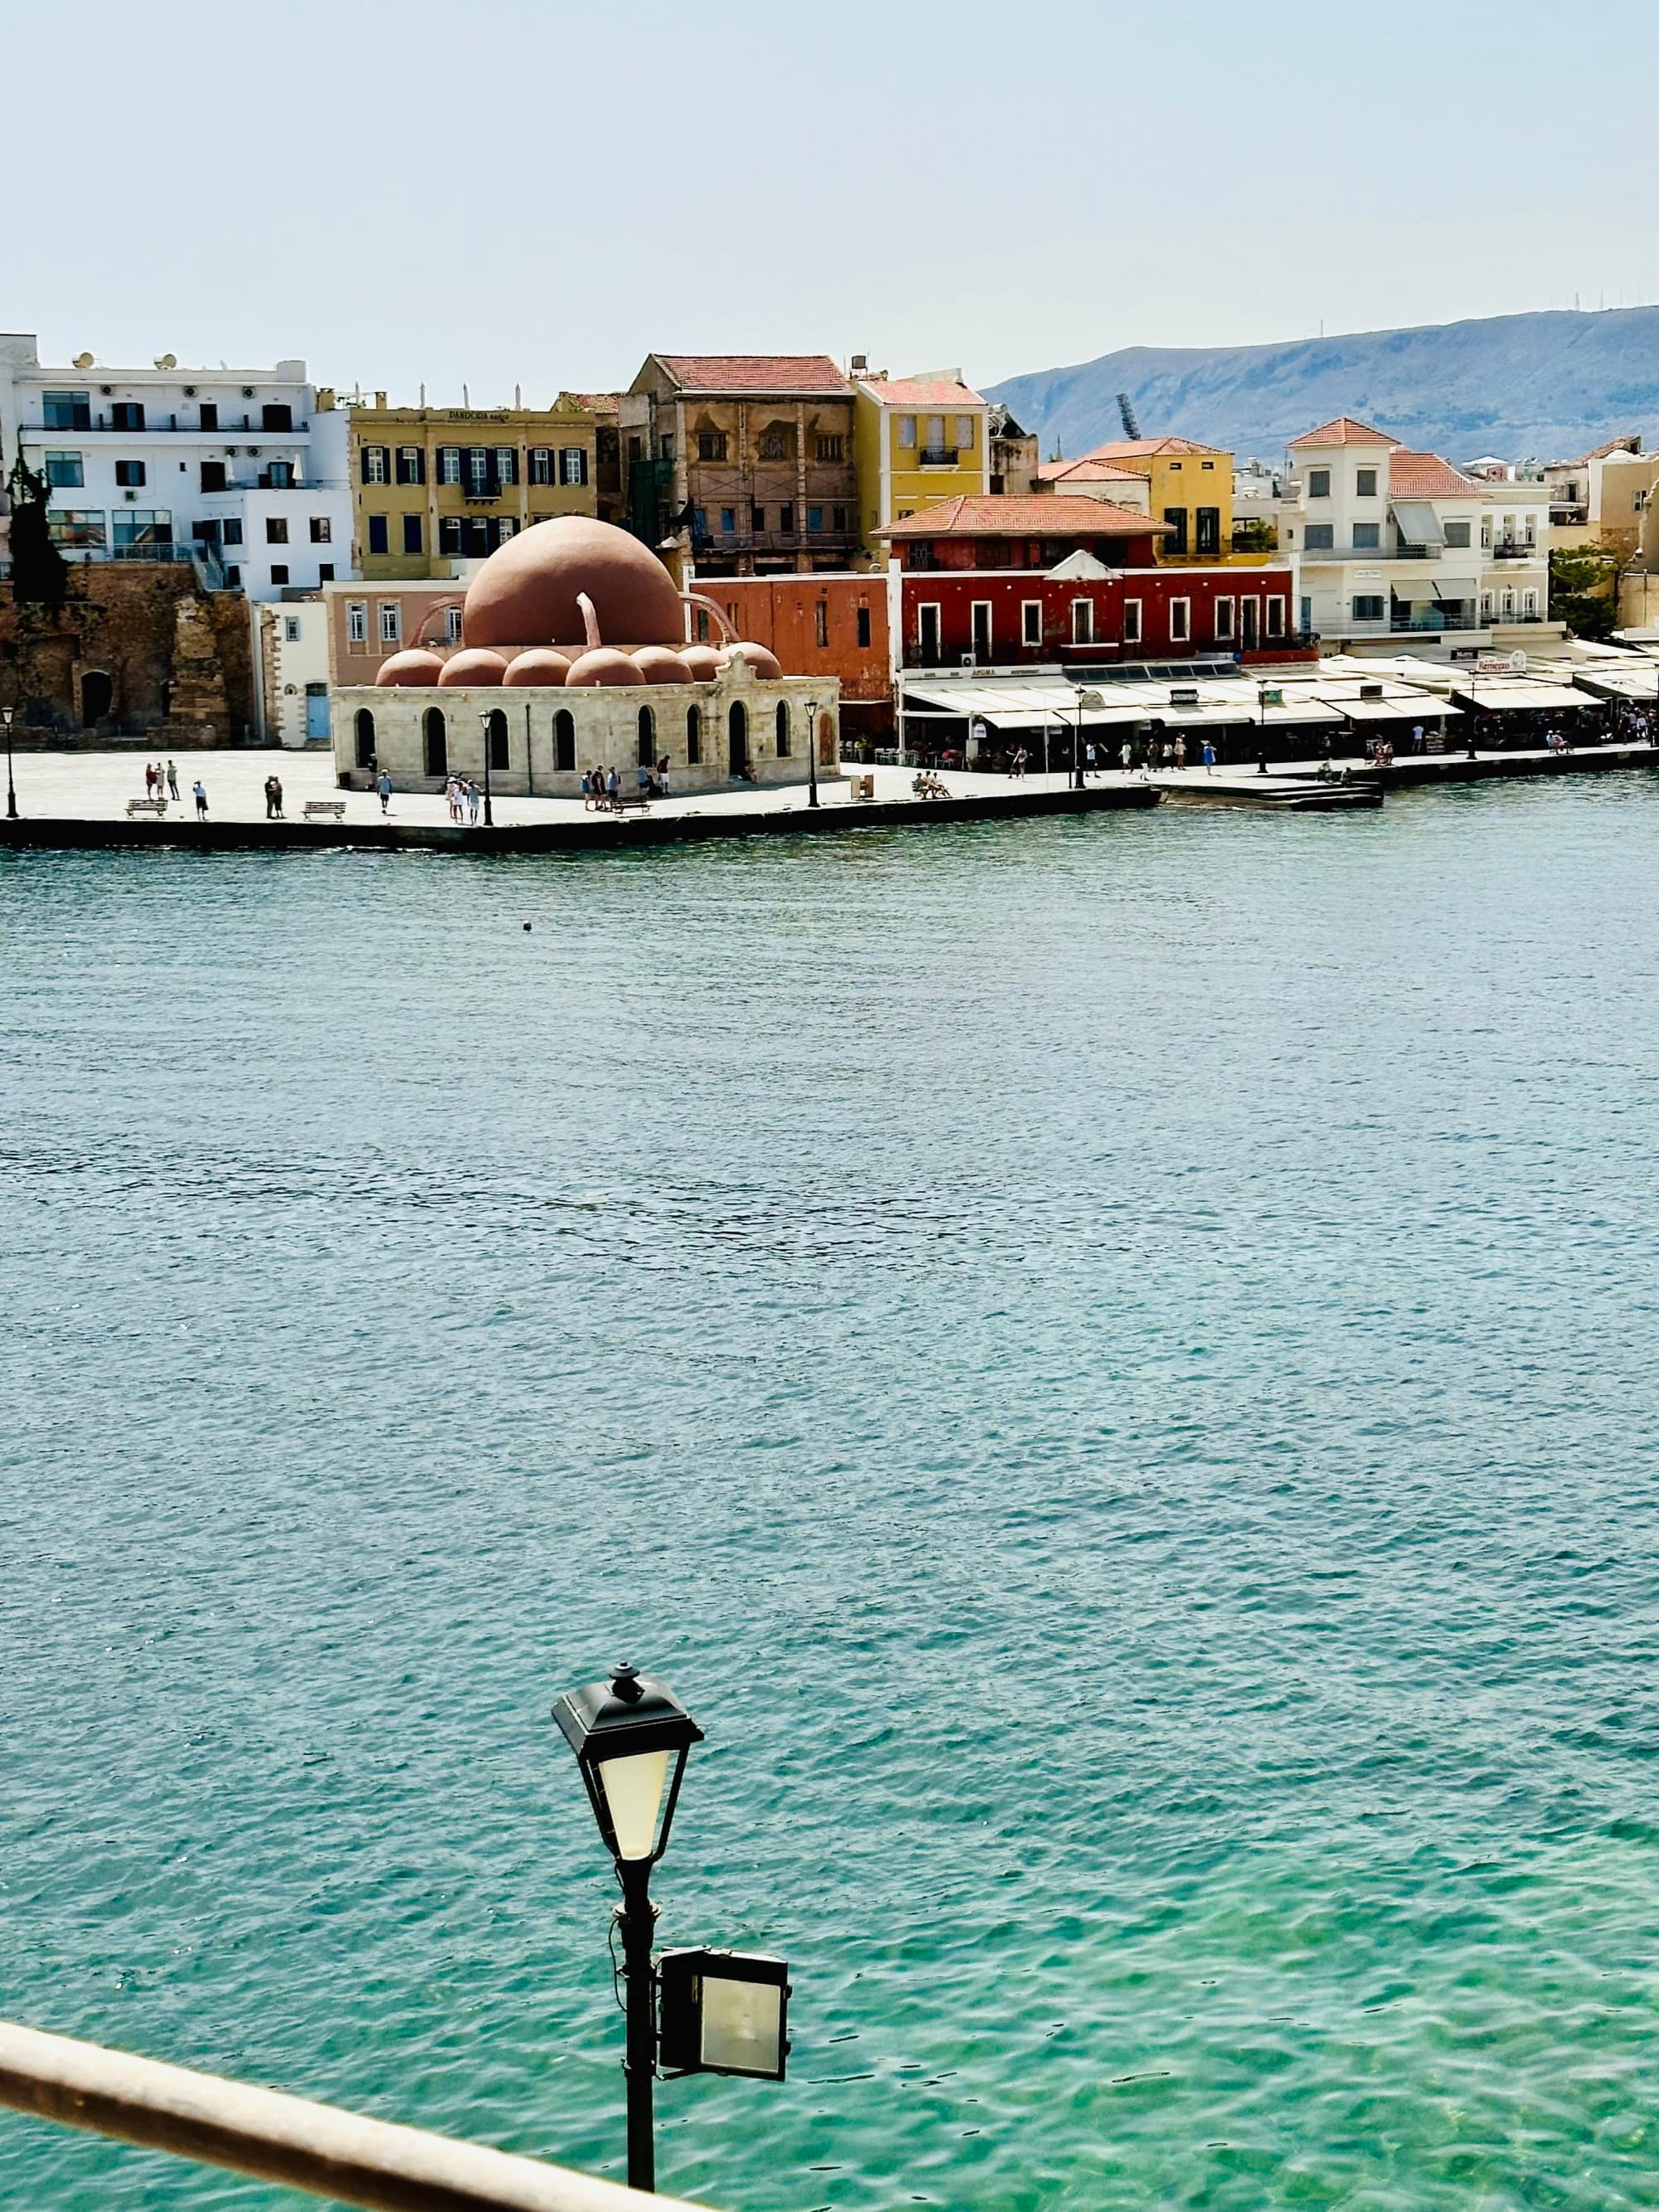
(613, 787)
(1179, 750)
(150, 779)
(198, 793)
(1088, 762)
(172, 780)
(1417, 737)
(273, 799)
(1127, 754)
(1209, 755)
(384, 786)
(473, 795)
(662, 777)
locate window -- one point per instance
(711, 445)
(838, 519)
(507, 465)
(964, 433)
(564, 741)
(279, 477)
(1368, 606)
(322, 529)
(1176, 467)
(757, 516)
(1176, 540)
(65, 469)
(276, 529)
(377, 540)
(1180, 621)
(209, 413)
(392, 622)
(1031, 622)
(1319, 538)
(1457, 533)
(864, 626)
(728, 521)
(541, 465)
(982, 621)
(324, 572)
(927, 632)
(1364, 483)
(213, 476)
(233, 529)
(814, 519)
(449, 536)
(787, 518)
(139, 525)
(411, 465)
(773, 446)
(451, 625)
(357, 622)
(693, 737)
(646, 746)
(1209, 530)
(1224, 619)
(477, 470)
(573, 464)
(1275, 618)
(1367, 537)
(907, 431)
(291, 628)
(128, 472)
(278, 572)
(412, 533)
(82, 527)
(234, 577)
(830, 448)
(499, 750)
(66, 410)
(375, 464)
(665, 446)
(1529, 603)
(449, 465)
(1083, 622)
(435, 740)
(1132, 622)
(278, 416)
(127, 414)
(365, 734)
(1319, 484)
(820, 622)
(1207, 465)
(699, 521)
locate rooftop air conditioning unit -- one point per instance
(247, 392)
(1183, 695)
(190, 391)
(1371, 691)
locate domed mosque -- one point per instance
(574, 654)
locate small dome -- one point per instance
(763, 662)
(416, 666)
(704, 662)
(603, 665)
(526, 592)
(541, 666)
(474, 665)
(657, 664)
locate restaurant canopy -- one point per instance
(1512, 695)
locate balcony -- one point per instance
(1397, 551)
(1513, 549)
(937, 457)
(774, 540)
(37, 433)
(480, 494)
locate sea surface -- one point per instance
(1112, 1364)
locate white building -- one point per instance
(291, 646)
(243, 471)
(1392, 546)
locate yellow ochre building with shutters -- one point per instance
(916, 439)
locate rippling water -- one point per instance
(1112, 1364)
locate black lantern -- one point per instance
(630, 1736)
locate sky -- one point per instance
(491, 193)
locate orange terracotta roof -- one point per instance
(597, 403)
(1426, 476)
(1023, 515)
(1600, 453)
(1346, 430)
(919, 391)
(754, 372)
(1088, 470)
(1122, 449)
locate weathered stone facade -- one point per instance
(132, 653)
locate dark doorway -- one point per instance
(1250, 624)
(437, 742)
(737, 724)
(564, 740)
(365, 727)
(498, 756)
(646, 752)
(96, 695)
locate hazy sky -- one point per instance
(499, 192)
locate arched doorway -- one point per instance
(737, 730)
(826, 742)
(437, 742)
(646, 755)
(500, 756)
(97, 695)
(564, 740)
(364, 727)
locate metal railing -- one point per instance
(171, 428)
(162, 553)
(938, 457)
(1398, 551)
(287, 2140)
(1513, 549)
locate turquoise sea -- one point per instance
(1112, 1364)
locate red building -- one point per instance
(997, 582)
(829, 625)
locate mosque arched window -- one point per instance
(693, 737)
(783, 729)
(365, 734)
(736, 733)
(500, 757)
(646, 755)
(436, 740)
(564, 740)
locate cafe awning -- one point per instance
(1501, 698)
(1424, 708)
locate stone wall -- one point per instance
(134, 652)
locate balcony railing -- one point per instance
(162, 553)
(491, 487)
(103, 428)
(1512, 549)
(938, 457)
(774, 540)
(1398, 551)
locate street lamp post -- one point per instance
(1077, 744)
(812, 752)
(484, 721)
(6, 714)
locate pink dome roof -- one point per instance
(414, 667)
(704, 662)
(763, 662)
(540, 666)
(657, 664)
(526, 592)
(603, 665)
(471, 666)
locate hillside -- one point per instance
(1548, 385)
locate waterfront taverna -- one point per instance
(574, 654)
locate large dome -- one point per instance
(526, 593)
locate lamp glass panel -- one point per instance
(632, 1791)
(742, 2024)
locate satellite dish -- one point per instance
(167, 360)
(83, 361)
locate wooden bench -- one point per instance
(319, 806)
(158, 807)
(625, 800)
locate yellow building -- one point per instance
(433, 485)
(916, 439)
(1190, 487)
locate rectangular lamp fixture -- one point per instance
(721, 2013)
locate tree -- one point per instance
(39, 574)
(1584, 589)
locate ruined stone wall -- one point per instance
(176, 661)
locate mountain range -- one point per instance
(1546, 387)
